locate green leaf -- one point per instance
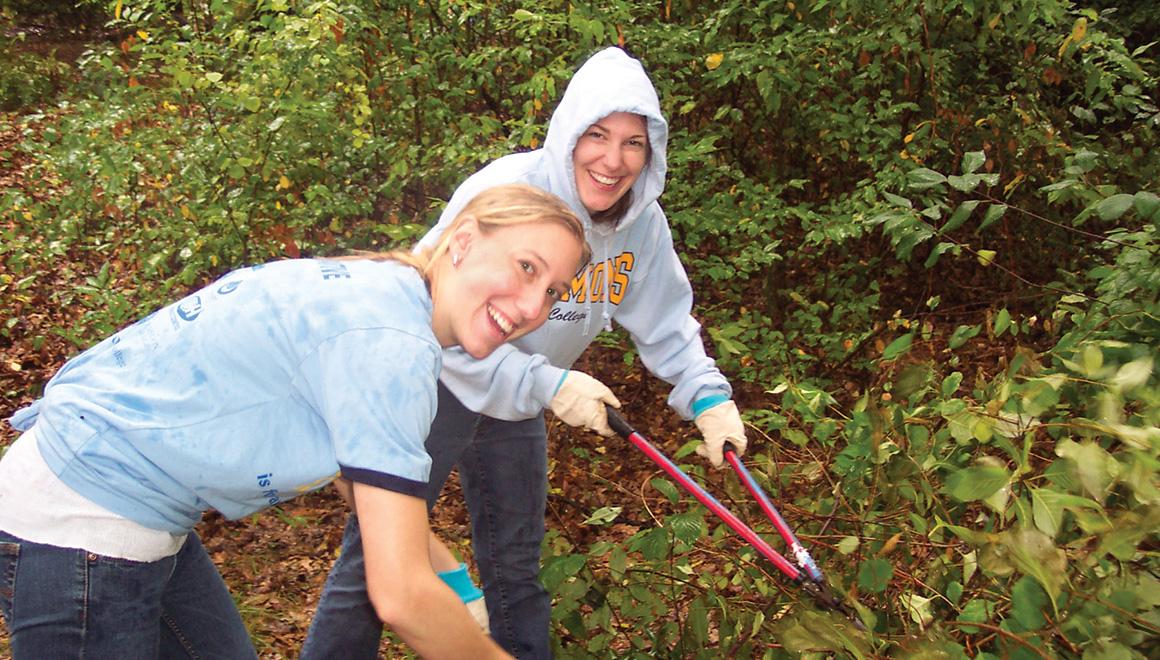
(976, 610)
(960, 215)
(938, 251)
(1134, 374)
(1092, 360)
(653, 545)
(1002, 321)
(952, 407)
(970, 559)
(965, 183)
(688, 526)
(810, 632)
(213, 76)
(968, 535)
(687, 449)
(874, 574)
(1036, 555)
(1028, 603)
(796, 436)
(994, 212)
(923, 179)
(848, 544)
(898, 201)
(898, 346)
(954, 592)
(951, 383)
(1113, 207)
(1048, 505)
(666, 488)
(1127, 531)
(1095, 467)
(962, 334)
(1059, 185)
(1107, 649)
(1147, 205)
(962, 426)
(558, 569)
(617, 561)
(985, 257)
(983, 428)
(699, 620)
(911, 380)
(973, 160)
(603, 515)
(1086, 160)
(976, 482)
(918, 607)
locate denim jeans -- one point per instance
(69, 603)
(503, 468)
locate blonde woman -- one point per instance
(272, 381)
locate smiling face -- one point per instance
(501, 284)
(608, 158)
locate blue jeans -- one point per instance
(69, 603)
(503, 468)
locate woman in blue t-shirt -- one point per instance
(271, 382)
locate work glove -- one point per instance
(718, 425)
(580, 400)
(472, 596)
(478, 609)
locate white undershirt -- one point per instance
(37, 506)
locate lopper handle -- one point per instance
(817, 588)
(799, 551)
(693, 488)
(617, 422)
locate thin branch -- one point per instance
(1064, 227)
(1003, 633)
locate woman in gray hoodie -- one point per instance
(604, 154)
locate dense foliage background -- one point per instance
(923, 236)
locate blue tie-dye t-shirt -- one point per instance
(259, 387)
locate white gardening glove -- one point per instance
(580, 402)
(718, 425)
(478, 609)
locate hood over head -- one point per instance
(610, 81)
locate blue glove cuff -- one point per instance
(701, 405)
(460, 582)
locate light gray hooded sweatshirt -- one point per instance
(648, 292)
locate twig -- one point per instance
(1060, 225)
(1003, 633)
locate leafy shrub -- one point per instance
(28, 79)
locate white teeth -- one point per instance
(504, 324)
(605, 180)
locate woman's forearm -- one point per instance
(405, 591)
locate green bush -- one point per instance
(28, 79)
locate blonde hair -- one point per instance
(502, 206)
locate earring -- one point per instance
(455, 260)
